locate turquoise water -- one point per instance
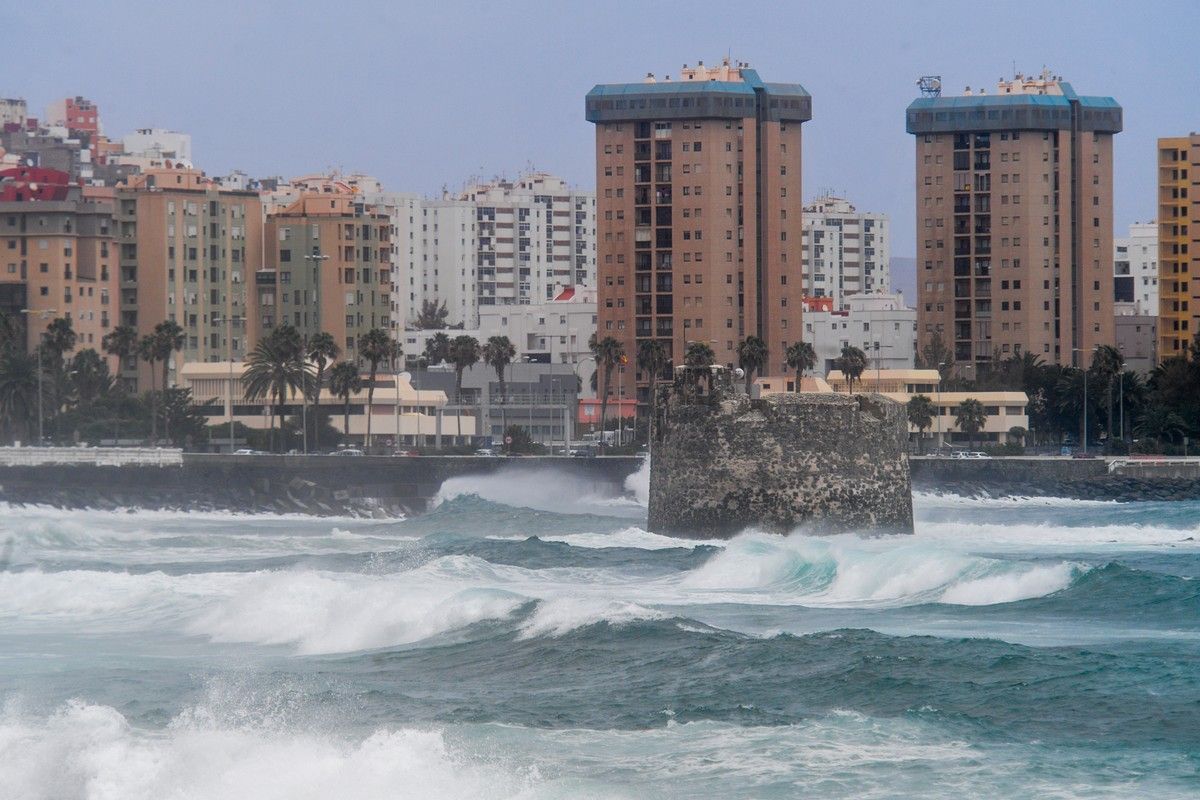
(528, 639)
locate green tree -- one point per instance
(852, 363)
(59, 338)
(1158, 423)
(345, 380)
(752, 357)
(12, 332)
(377, 347)
(1107, 364)
(89, 376)
(920, 411)
(18, 392)
(652, 359)
(322, 350)
(432, 316)
(498, 353)
(970, 417)
(122, 342)
(699, 358)
(274, 370)
(464, 354)
(148, 352)
(608, 352)
(936, 355)
(437, 348)
(168, 338)
(801, 357)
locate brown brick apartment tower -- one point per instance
(698, 206)
(1178, 286)
(1014, 220)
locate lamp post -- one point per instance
(578, 388)
(1121, 393)
(229, 352)
(44, 313)
(877, 378)
(314, 258)
(1085, 428)
(939, 404)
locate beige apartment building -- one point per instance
(328, 268)
(58, 259)
(1178, 210)
(698, 212)
(187, 249)
(1014, 220)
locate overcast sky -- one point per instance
(426, 95)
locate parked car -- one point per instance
(485, 451)
(968, 454)
(246, 451)
(406, 453)
(347, 451)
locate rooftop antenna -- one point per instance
(930, 85)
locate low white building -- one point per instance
(158, 143)
(880, 325)
(1135, 271)
(400, 414)
(553, 332)
(845, 251)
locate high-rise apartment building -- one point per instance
(1014, 220)
(699, 212)
(57, 256)
(187, 251)
(328, 267)
(1135, 271)
(1178, 266)
(846, 251)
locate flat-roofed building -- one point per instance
(1135, 271)
(1178, 263)
(1014, 233)
(699, 213)
(846, 251)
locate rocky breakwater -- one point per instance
(724, 462)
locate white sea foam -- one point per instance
(91, 752)
(541, 489)
(635, 538)
(638, 484)
(565, 614)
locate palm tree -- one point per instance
(464, 354)
(752, 357)
(1107, 363)
(273, 371)
(121, 342)
(168, 338)
(970, 417)
(11, 332)
(376, 346)
(652, 359)
(608, 352)
(1159, 422)
(18, 391)
(322, 350)
(437, 348)
(59, 337)
(89, 376)
(498, 353)
(699, 358)
(801, 357)
(345, 380)
(432, 316)
(148, 351)
(852, 363)
(920, 414)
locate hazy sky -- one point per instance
(426, 95)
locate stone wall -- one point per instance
(319, 485)
(828, 462)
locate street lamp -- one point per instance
(579, 388)
(314, 258)
(229, 351)
(939, 404)
(45, 313)
(1085, 372)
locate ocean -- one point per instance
(528, 638)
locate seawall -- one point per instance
(1079, 478)
(319, 485)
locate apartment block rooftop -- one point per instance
(1044, 102)
(730, 90)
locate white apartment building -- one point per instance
(13, 111)
(845, 251)
(556, 331)
(536, 236)
(158, 143)
(1135, 271)
(880, 325)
